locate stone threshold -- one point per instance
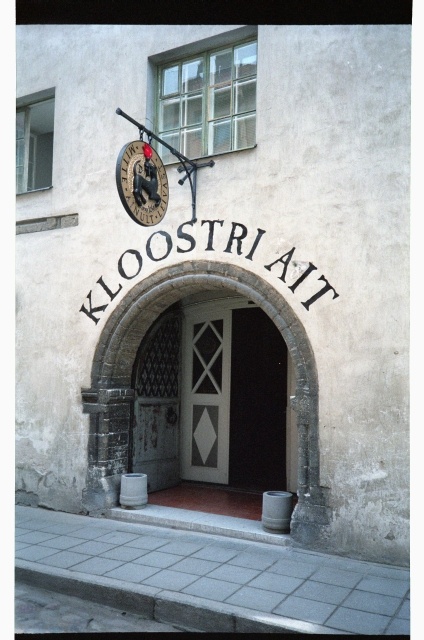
(187, 520)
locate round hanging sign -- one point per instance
(142, 183)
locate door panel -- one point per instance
(234, 397)
(155, 443)
(155, 433)
(205, 395)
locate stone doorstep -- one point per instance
(196, 521)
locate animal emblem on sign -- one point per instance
(147, 182)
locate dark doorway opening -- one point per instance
(257, 458)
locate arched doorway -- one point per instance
(211, 395)
(110, 399)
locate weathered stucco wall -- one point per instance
(329, 177)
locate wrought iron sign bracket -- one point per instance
(189, 166)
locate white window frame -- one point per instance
(175, 135)
(27, 156)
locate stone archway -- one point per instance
(109, 400)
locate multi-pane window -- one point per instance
(207, 104)
(34, 146)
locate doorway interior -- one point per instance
(231, 411)
(257, 448)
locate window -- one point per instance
(207, 104)
(34, 144)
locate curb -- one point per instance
(189, 613)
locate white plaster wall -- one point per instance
(329, 176)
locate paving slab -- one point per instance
(199, 580)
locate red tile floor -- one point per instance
(219, 500)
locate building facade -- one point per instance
(237, 315)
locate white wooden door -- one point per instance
(205, 411)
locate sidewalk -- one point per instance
(209, 574)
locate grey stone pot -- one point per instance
(277, 507)
(133, 490)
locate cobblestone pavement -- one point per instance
(40, 611)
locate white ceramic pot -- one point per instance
(133, 490)
(277, 507)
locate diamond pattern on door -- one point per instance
(158, 363)
(207, 357)
(206, 360)
(205, 436)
